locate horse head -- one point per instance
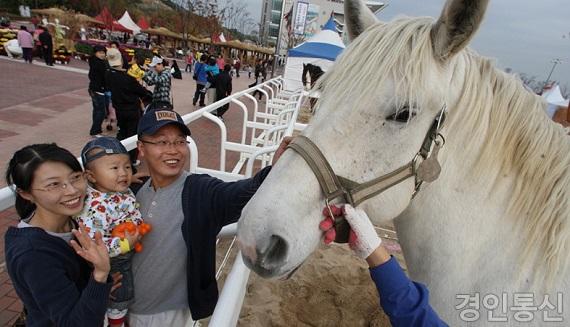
(378, 103)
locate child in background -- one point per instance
(110, 202)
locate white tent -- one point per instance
(128, 22)
(320, 50)
(554, 98)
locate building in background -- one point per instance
(315, 14)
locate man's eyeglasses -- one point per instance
(166, 144)
(76, 180)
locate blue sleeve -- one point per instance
(228, 199)
(405, 302)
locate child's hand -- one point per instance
(133, 238)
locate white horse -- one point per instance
(494, 226)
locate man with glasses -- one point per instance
(175, 274)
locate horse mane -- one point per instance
(519, 138)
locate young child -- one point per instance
(110, 202)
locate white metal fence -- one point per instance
(270, 122)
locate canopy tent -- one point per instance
(128, 22)
(554, 98)
(110, 23)
(320, 50)
(142, 23)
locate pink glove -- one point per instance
(363, 239)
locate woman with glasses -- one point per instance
(59, 273)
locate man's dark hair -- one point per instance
(115, 43)
(227, 67)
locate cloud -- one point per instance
(523, 35)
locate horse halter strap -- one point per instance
(334, 186)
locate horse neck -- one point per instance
(490, 189)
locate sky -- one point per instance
(520, 34)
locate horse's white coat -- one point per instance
(496, 221)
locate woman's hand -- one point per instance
(94, 251)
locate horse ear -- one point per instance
(358, 18)
(458, 23)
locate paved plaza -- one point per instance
(41, 104)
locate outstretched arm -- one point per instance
(405, 302)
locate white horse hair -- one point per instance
(497, 219)
(521, 139)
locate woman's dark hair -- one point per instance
(212, 61)
(24, 164)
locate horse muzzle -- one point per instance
(267, 258)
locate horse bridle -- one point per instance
(334, 186)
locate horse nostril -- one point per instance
(274, 253)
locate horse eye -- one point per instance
(402, 116)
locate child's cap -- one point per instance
(109, 145)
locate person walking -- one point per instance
(201, 79)
(223, 88)
(97, 87)
(237, 66)
(47, 46)
(26, 42)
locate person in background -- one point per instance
(26, 42)
(223, 88)
(220, 62)
(115, 45)
(211, 70)
(161, 79)
(404, 301)
(136, 70)
(97, 87)
(128, 96)
(59, 284)
(47, 45)
(175, 70)
(189, 62)
(237, 66)
(201, 79)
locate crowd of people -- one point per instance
(119, 88)
(41, 40)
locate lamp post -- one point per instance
(555, 62)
